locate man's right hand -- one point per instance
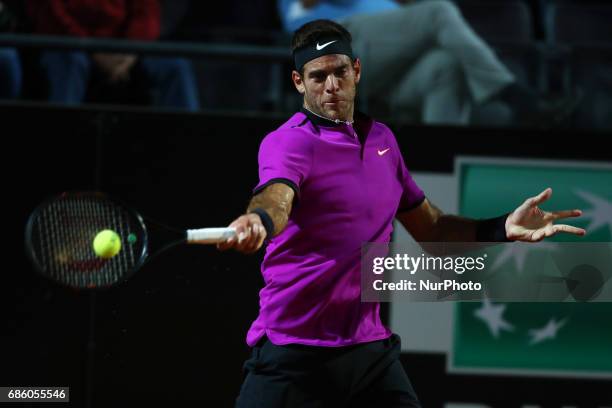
(276, 199)
(250, 235)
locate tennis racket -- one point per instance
(60, 233)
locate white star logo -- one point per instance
(519, 251)
(601, 212)
(492, 316)
(547, 332)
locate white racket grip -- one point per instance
(209, 235)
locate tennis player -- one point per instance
(331, 179)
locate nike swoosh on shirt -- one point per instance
(381, 152)
(320, 47)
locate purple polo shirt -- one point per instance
(350, 182)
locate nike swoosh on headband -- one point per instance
(320, 47)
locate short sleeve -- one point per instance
(285, 157)
(412, 195)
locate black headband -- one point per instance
(324, 46)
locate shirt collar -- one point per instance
(362, 122)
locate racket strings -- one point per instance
(64, 232)
(119, 223)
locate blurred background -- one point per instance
(163, 104)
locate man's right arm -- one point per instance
(276, 200)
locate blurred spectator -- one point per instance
(10, 65)
(424, 57)
(69, 73)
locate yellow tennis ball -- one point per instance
(107, 244)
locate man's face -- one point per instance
(329, 85)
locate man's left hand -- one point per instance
(530, 223)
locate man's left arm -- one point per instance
(427, 223)
(528, 223)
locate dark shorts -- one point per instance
(296, 376)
